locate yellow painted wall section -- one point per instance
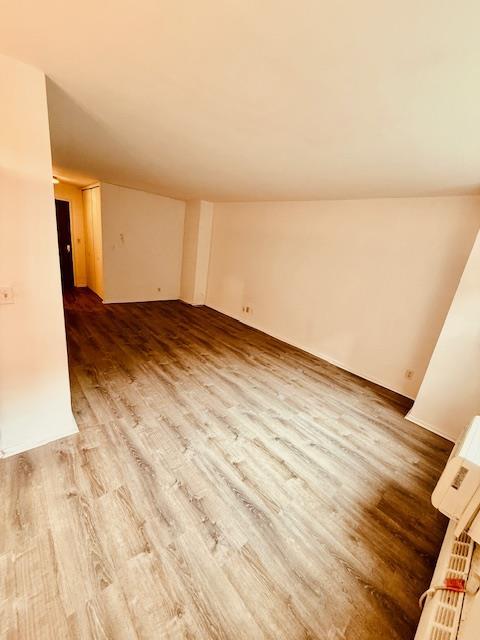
(73, 195)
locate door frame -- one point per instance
(72, 238)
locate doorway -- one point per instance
(62, 209)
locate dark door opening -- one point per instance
(64, 234)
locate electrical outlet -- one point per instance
(6, 295)
(409, 373)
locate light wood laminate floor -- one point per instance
(224, 485)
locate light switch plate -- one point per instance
(6, 295)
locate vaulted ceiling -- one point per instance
(259, 99)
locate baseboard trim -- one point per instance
(322, 356)
(410, 416)
(71, 430)
(191, 304)
(123, 301)
(425, 425)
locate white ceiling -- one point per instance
(259, 99)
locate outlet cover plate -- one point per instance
(6, 295)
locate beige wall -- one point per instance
(196, 251)
(189, 254)
(34, 385)
(72, 194)
(365, 284)
(93, 239)
(142, 245)
(449, 396)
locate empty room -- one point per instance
(239, 320)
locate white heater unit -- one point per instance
(460, 480)
(452, 604)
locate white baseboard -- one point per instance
(429, 427)
(133, 300)
(192, 304)
(70, 429)
(410, 416)
(318, 354)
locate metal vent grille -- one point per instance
(446, 606)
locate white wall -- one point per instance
(196, 251)
(449, 396)
(34, 385)
(365, 284)
(142, 245)
(73, 195)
